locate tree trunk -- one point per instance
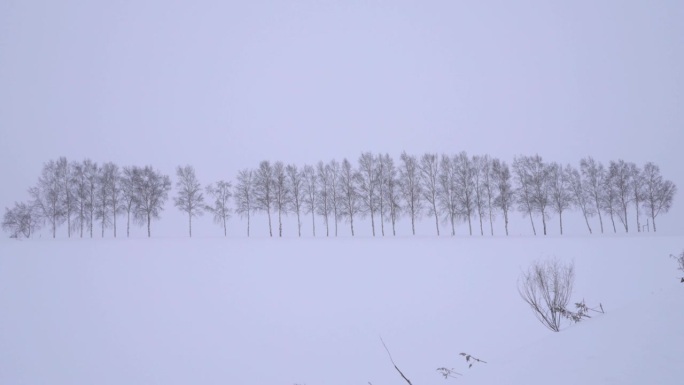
(506, 221)
(313, 223)
(149, 231)
(373, 222)
(532, 221)
(225, 230)
(587, 221)
(190, 224)
(436, 219)
(128, 224)
(351, 222)
(248, 223)
(560, 218)
(280, 224)
(470, 225)
(270, 228)
(299, 225)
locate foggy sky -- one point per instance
(223, 85)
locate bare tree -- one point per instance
(609, 198)
(263, 191)
(579, 193)
(368, 186)
(128, 194)
(244, 195)
(92, 173)
(382, 189)
(465, 187)
(447, 193)
(310, 194)
(281, 195)
(221, 192)
(84, 184)
(152, 191)
(541, 191)
(593, 179)
(429, 176)
(66, 179)
(561, 195)
(324, 194)
(333, 169)
(116, 202)
(621, 180)
(391, 191)
(547, 286)
(22, 219)
(487, 182)
(524, 190)
(348, 194)
(479, 188)
(295, 184)
(48, 196)
(658, 192)
(637, 190)
(410, 187)
(189, 197)
(504, 190)
(102, 202)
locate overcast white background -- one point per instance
(223, 85)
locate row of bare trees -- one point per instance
(449, 189)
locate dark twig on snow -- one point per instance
(395, 365)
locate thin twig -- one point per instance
(395, 365)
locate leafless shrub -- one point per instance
(547, 286)
(680, 262)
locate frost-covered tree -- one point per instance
(324, 200)
(621, 179)
(524, 190)
(367, 183)
(244, 195)
(392, 193)
(465, 187)
(102, 203)
(487, 186)
(333, 169)
(21, 220)
(429, 177)
(220, 194)
(479, 188)
(559, 188)
(112, 174)
(189, 197)
(66, 178)
(263, 191)
(152, 190)
(349, 196)
(295, 185)
(658, 192)
(281, 195)
(594, 180)
(579, 194)
(637, 189)
(310, 194)
(447, 193)
(48, 196)
(504, 197)
(128, 194)
(410, 187)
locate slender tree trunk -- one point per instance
(532, 221)
(373, 222)
(543, 215)
(190, 224)
(394, 232)
(225, 230)
(481, 228)
(351, 222)
(270, 229)
(128, 223)
(413, 221)
(612, 219)
(114, 215)
(491, 221)
(586, 220)
(382, 219)
(506, 221)
(313, 222)
(436, 219)
(247, 223)
(653, 220)
(636, 206)
(453, 227)
(280, 224)
(470, 225)
(149, 221)
(335, 211)
(560, 218)
(299, 225)
(598, 210)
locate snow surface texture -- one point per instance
(312, 311)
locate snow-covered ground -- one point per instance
(312, 311)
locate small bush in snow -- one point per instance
(547, 286)
(680, 262)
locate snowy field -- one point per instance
(312, 311)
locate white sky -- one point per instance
(223, 85)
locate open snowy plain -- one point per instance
(312, 311)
